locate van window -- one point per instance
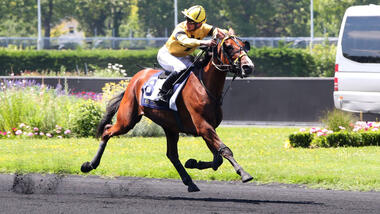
(361, 39)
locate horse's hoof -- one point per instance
(245, 177)
(191, 164)
(193, 188)
(86, 167)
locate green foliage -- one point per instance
(86, 119)
(336, 139)
(36, 106)
(324, 57)
(17, 61)
(269, 62)
(282, 62)
(335, 119)
(300, 139)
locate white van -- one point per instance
(357, 67)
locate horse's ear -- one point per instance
(231, 32)
(247, 46)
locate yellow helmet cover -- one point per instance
(196, 13)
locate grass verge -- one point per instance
(259, 151)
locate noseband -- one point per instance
(233, 66)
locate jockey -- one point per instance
(174, 56)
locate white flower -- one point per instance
(18, 132)
(22, 125)
(342, 128)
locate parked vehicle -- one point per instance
(357, 68)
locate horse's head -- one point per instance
(232, 53)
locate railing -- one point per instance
(142, 43)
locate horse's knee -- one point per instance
(173, 158)
(225, 151)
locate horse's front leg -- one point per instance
(172, 154)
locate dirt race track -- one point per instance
(36, 193)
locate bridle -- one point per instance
(233, 66)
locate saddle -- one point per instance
(152, 87)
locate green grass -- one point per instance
(259, 151)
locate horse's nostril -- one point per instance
(247, 69)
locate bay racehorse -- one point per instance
(199, 109)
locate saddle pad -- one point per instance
(151, 89)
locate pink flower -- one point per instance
(302, 130)
(30, 134)
(18, 132)
(48, 135)
(35, 129)
(320, 134)
(67, 131)
(312, 130)
(42, 134)
(22, 125)
(342, 128)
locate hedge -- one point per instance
(268, 62)
(52, 60)
(336, 139)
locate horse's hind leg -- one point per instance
(214, 164)
(127, 118)
(172, 154)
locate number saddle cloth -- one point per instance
(152, 87)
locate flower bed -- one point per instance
(362, 134)
(30, 110)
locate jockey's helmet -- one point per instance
(196, 13)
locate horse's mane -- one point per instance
(203, 60)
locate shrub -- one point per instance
(282, 62)
(86, 118)
(269, 62)
(336, 120)
(339, 139)
(362, 134)
(324, 57)
(300, 140)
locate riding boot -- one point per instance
(167, 87)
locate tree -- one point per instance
(156, 17)
(18, 18)
(329, 14)
(119, 10)
(52, 12)
(92, 15)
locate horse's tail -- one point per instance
(112, 107)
